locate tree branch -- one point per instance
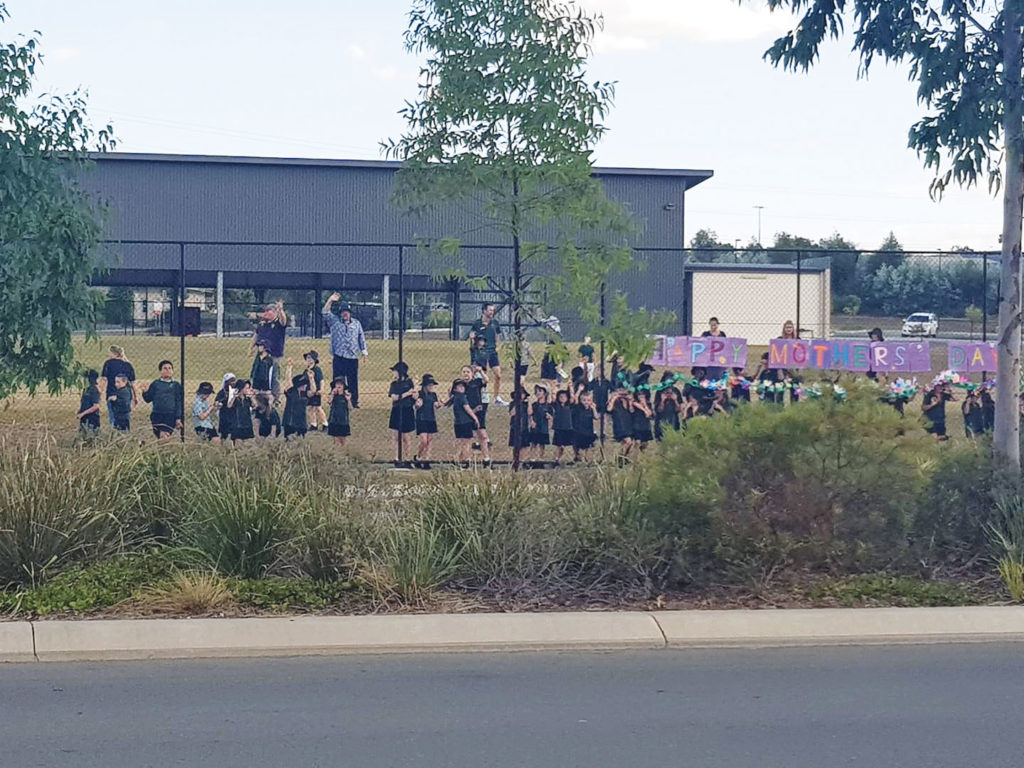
(985, 31)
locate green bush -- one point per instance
(824, 484)
(886, 589)
(439, 318)
(280, 594)
(59, 507)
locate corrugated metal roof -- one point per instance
(693, 176)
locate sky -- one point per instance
(821, 152)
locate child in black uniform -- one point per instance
(89, 408)
(540, 422)
(295, 403)
(583, 422)
(339, 422)
(403, 413)
(121, 403)
(739, 386)
(621, 408)
(475, 382)
(314, 392)
(519, 420)
(241, 406)
(426, 420)
(225, 415)
(466, 420)
(668, 405)
(642, 413)
(561, 422)
(974, 415)
(934, 407)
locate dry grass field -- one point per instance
(208, 359)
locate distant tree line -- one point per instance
(886, 281)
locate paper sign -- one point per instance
(850, 355)
(972, 357)
(699, 352)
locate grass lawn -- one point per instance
(209, 358)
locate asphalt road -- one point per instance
(877, 707)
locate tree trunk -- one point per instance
(1007, 427)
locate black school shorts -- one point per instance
(339, 430)
(540, 438)
(464, 431)
(426, 427)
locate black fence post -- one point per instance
(984, 306)
(181, 332)
(401, 332)
(604, 411)
(799, 264)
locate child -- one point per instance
(295, 403)
(642, 413)
(225, 415)
(403, 414)
(621, 408)
(988, 408)
(475, 380)
(89, 408)
(739, 386)
(339, 424)
(168, 399)
(702, 399)
(587, 357)
(668, 404)
(767, 382)
(583, 422)
(974, 415)
(548, 367)
(314, 392)
(466, 420)
(426, 420)
(934, 408)
(262, 374)
(561, 422)
(241, 405)
(121, 400)
(202, 413)
(540, 422)
(519, 421)
(266, 415)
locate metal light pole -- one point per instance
(759, 209)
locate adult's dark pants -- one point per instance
(349, 368)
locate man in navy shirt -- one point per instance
(271, 330)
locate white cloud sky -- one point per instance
(632, 25)
(356, 53)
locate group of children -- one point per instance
(565, 412)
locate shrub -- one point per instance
(412, 560)
(957, 507)
(1007, 538)
(241, 523)
(822, 484)
(187, 592)
(57, 507)
(287, 594)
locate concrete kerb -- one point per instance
(323, 635)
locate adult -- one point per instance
(348, 342)
(714, 331)
(270, 331)
(117, 365)
(793, 381)
(488, 328)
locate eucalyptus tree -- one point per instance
(966, 57)
(49, 226)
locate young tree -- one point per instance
(967, 57)
(49, 227)
(506, 120)
(890, 253)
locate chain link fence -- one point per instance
(204, 320)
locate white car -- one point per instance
(921, 324)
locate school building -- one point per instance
(327, 225)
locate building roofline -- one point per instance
(784, 268)
(694, 177)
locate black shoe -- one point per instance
(476, 446)
(355, 405)
(464, 465)
(487, 463)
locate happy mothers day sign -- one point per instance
(699, 352)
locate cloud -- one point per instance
(356, 53)
(632, 25)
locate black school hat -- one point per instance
(427, 380)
